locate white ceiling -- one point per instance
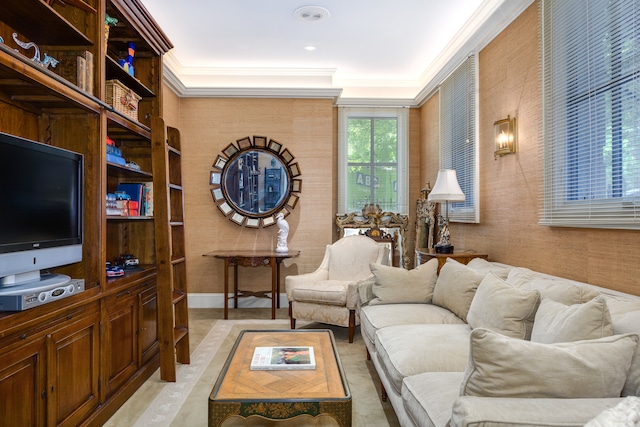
(365, 49)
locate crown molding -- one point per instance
(490, 19)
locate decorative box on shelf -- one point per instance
(77, 67)
(122, 99)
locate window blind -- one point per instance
(591, 114)
(458, 142)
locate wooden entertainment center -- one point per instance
(76, 360)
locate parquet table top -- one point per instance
(281, 394)
(238, 381)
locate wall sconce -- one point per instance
(504, 136)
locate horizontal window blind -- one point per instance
(591, 113)
(458, 142)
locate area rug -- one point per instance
(185, 403)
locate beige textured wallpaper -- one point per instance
(207, 126)
(509, 83)
(510, 186)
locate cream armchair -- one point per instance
(329, 294)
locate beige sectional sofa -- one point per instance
(487, 344)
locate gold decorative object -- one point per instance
(372, 216)
(504, 132)
(425, 219)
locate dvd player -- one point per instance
(23, 297)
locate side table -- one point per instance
(252, 258)
(463, 256)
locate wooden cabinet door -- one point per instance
(73, 355)
(23, 386)
(148, 322)
(120, 352)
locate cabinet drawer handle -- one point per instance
(23, 336)
(127, 292)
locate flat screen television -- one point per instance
(41, 215)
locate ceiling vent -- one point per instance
(311, 13)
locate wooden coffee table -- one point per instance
(240, 393)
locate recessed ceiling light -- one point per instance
(310, 48)
(311, 13)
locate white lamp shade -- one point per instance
(446, 188)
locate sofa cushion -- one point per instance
(471, 411)
(556, 322)
(395, 285)
(456, 287)
(328, 292)
(428, 397)
(629, 322)
(502, 308)
(382, 316)
(558, 289)
(481, 265)
(402, 350)
(501, 366)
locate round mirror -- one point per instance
(254, 180)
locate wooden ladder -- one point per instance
(173, 310)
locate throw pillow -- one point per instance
(481, 265)
(456, 287)
(395, 285)
(557, 322)
(558, 289)
(501, 366)
(502, 308)
(625, 413)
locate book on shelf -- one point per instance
(283, 358)
(136, 192)
(148, 198)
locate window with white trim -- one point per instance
(372, 159)
(458, 141)
(591, 113)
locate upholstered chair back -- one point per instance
(349, 258)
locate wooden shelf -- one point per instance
(38, 88)
(41, 23)
(119, 124)
(107, 337)
(127, 172)
(129, 218)
(115, 71)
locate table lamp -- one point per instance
(445, 190)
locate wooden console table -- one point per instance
(424, 255)
(251, 258)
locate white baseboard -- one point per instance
(209, 300)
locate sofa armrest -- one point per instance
(353, 291)
(365, 291)
(469, 411)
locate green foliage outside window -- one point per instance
(372, 163)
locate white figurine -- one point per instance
(283, 233)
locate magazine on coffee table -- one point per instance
(299, 357)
